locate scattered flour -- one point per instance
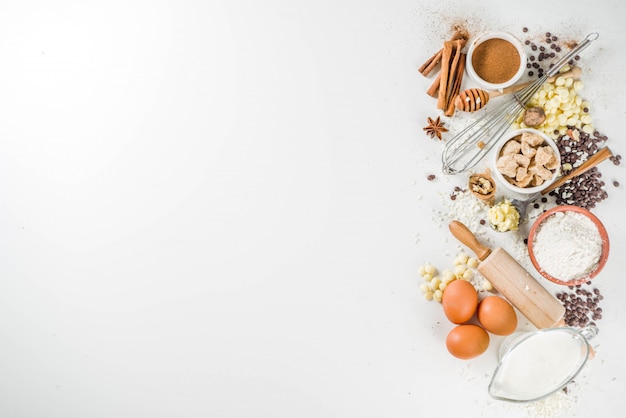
(555, 405)
(463, 206)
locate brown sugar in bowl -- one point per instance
(495, 60)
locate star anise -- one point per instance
(435, 128)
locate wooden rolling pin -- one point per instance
(591, 162)
(513, 281)
(474, 99)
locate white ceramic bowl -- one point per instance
(495, 35)
(525, 190)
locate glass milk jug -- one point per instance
(536, 364)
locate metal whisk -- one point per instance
(470, 145)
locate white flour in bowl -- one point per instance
(567, 245)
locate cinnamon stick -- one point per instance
(449, 64)
(433, 91)
(445, 74)
(452, 73)
(456, 88)
(432, 62)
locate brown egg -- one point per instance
(497, 315)
(459, 301)
(467, 341)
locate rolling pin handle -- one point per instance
(463, 234)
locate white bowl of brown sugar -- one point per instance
(526, 161)
(495, 60)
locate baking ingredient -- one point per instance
(460, 259)
(527, 161)
(447, 84)
(548, 51)
(562, 403)
(497, 315)
(496, 60)
(467, 341)
(472, 262)
(459, 301)
(616, 159)
(435, 282)
(503, 216)
(567, 245)
(462, 206)
(587, 189)
(483, 187)
(544, 54)
(435, 59)
(576, 146)
(481, 184)
(538, 365)
(534, 116)
(563, 106)
(582, 307)
(451, 77)
(435, 128)
(432, 287)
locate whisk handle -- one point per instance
(570, 55)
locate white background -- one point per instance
(218, 208)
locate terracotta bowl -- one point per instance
(603, 234)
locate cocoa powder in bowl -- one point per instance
(496, 60)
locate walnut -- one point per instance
(483, 187)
